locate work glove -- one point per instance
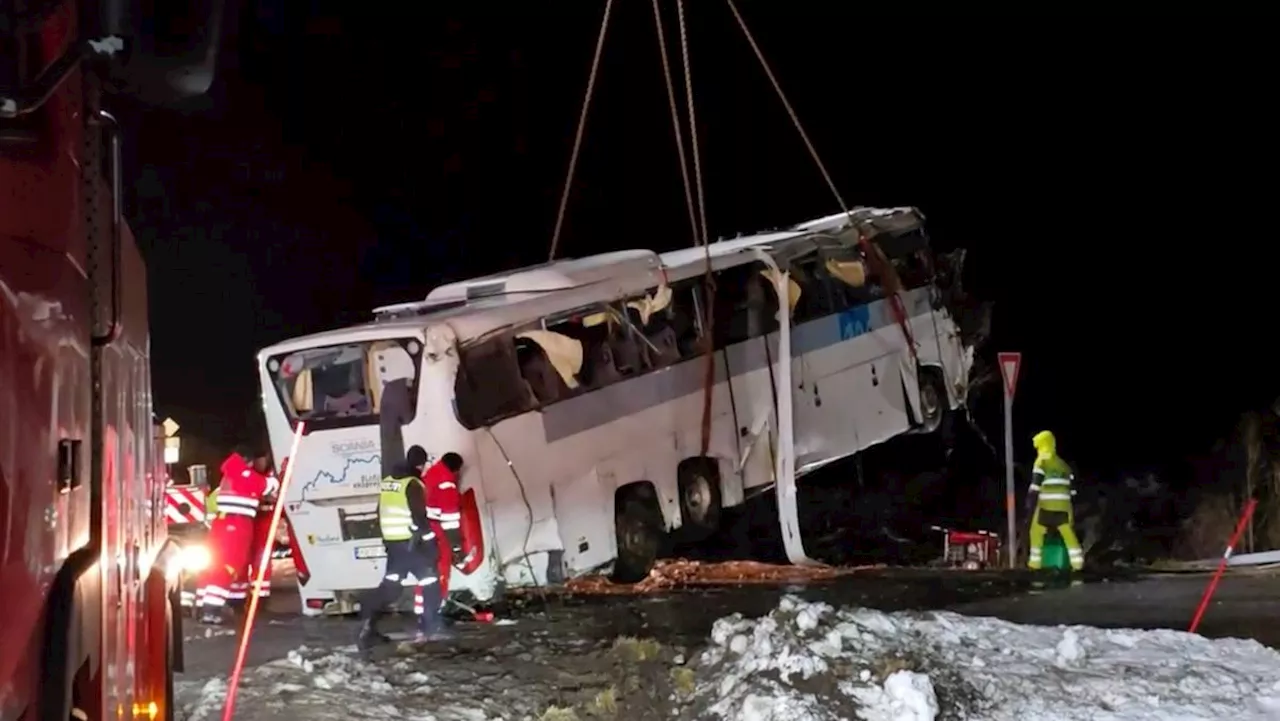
(455, 548)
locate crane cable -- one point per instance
(675, 122)
(875, 256)
(693, 130)
(709, 281)
(582, 125)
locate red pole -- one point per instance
(1222, 565)
(233, 684)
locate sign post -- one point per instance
(1010, 363)
(172, 444)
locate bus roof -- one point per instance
(477, 306)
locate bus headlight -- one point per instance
(194, 559)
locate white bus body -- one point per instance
(568, 414)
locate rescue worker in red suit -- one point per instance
(444, 512)
(262, 541)
(232, 532)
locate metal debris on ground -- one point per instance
(680, 572)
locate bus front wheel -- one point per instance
(933, 401)
(700, 501)
(639, 527)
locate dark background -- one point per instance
(1111, 177)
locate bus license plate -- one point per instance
(363, 552)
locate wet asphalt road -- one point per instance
(1244, 606)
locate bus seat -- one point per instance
(303, 395)
(544, 380)
(852, 273)
(562, 352)
(601, 369)
(667, 349)
(626, 353)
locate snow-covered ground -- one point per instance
(315, 685)
(801, 662)
(810, 662)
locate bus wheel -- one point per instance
(699, 498)
(639, 526)
(933, 402)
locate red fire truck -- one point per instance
(88, 580)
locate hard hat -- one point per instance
(1045, 443)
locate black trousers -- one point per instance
(410, 564)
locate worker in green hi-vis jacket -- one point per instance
(1049, 500)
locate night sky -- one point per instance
(1110, 178)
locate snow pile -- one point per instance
(809, 662)
(318, 685)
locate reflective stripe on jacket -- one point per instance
(1051, 478)
(242, 488)
(395, 518)
(444, 502)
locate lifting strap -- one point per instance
(698, 215)
(883, 268)
(875, 257)
(582, 126)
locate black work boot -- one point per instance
(211, 616)
(437, 635)
(431, 628)
(370, 636)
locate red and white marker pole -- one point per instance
(1222, 565)
(233, 684)
(1010, 364)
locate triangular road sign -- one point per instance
(1010, 363)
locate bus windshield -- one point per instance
(346, 384)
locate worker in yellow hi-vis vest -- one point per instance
(1049, 500)
(210, 506)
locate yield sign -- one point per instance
(1009, 365)
(170, 427)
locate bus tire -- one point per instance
(933, 401)
(700, 498)
(639, 527)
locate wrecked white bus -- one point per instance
(592, 419)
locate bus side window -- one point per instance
(628, 356)
(552, 361)
(852, 283)
(764, 303)
(651, 314)
(873, 290)
(816, 297)
(598, 332)
(536, 370)
(686, 303)
(598, 366)
(746, 305)
(729, 310)
(913, 269)
(489, 386)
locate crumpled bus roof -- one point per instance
(533, 292)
